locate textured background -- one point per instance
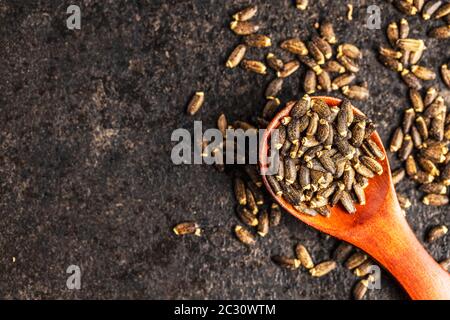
(85, 172)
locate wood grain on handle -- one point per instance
(393, 244)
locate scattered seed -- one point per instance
(304, 256)
(245, 236)
(323, 46)
(196, 103)
(423, 72)
(442, 11)
(360, 289)
(436, 233)
(187, 228)
(288, 69)
(243, 28)
(246, 14)
(254, 66)
(323, 268)
(442, 32)
(295, 46)
(258, 41)
(327, 32)
(275, 215)
(274, 88)
(356, 92)
(263, 223)
(349, 50)
(355, 260)
(404, 29)
(416, 100)
(411, 80)
(286, 262)
(429, 8)
(273, 62)
(435, 200)
(364, 269)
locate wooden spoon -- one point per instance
(379, 227)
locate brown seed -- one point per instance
(360, 289)
(422, 127)
(310, 63)
(273, 62)
(404, 29)
(295, 46)
(431, 94)
(333, 66)
(303, 255)
(327, 32)
(324, 81)
(185, 228)
(442, 32)
(271, 108)
(350, 51)
(246, 14)
(236, 56)
(323, 46)
(435, 200)
(411, 166)
(445, 74)
(428, 166)
(423, 177)
(251, 203)
(358, 133)
(355, 260)
(275, 215)
(244, 235)
(290, 171)
(392, 33)
(434, 153)
(423, 72)
(343, 80)
(436, 233)
(323, 268)
(398, 176)
(321, 108)
(411, 80)
(263, 223)
(443, 11)
(222, 124)
(411, 45)
(436, 188)
(416, 100)
(258, 41)
(347, 202)
(348, 177)
(246, 216)
(196, 103)
(359, 192)
(286, 262)
(390, 53)
(310, 82)
(302, 208)
(418, 4)
(415, 56)
(391, 63)
(254, 66)
(363, 170)
(315, 52)
(406, 7)
(349, 64)
(274, 88)
(356, 92)
(403, 201)
(372, 164)
(406, 148)
(342, 251)
(375, 149)
(364, 269)
(301, 4)
(259, 197)
(289, 68)
(243, 28)
(312, 128)
(408, 119)
(430, 7)
(239, 191)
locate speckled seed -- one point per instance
(273, 62)
(428, 166)
(323, 268)
(404, 29)
(327, 32)
(288, 69)
(275, 215)
(363, 170)
(349, 64)
(239, 191)
(430, 95)
(415, 56)
(286, 262)
(391, 63)
(435, 187)
(355, 260)
(236, 56)
(324, 81)
(358, 132)
(196, 103)
(246, 14)
(406, 148)
(422, 127)
(246, 216)
(436, 233)
(185, 228)
(257, 193)
(243, 28)
(390, 53)
(333, 66)
(411, 45)
(310, 82)
(445, 74)
(398, 175)
(323, 46)
(254, 66)
(411, 166)
(375, 149)
(295, 46)
(435, 200)
(303, 255)
(392, 33)
(343, 80)
(423, 73)
(406, 7)
(301, 107)
(411, 80)
(263, 223)
(359, 192)
(416, 100)
(301, 4)
(430, 7)
(342, 251)
(372, 164)
(275, 185)
(251, 202)
(443, 11)
(310, 63)
(290, 171)
(222, 124)
(258, 41)
(360, 289)
(244, 235)
(274, 88)
(347, 202)
(408, 119)
(356, 92)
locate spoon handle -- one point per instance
(394, 245)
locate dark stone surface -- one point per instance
(85, 171)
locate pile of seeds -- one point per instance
(404, 54)
(326, 157)
(435, 9)
(422, 142)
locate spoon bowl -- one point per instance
(378, 227)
